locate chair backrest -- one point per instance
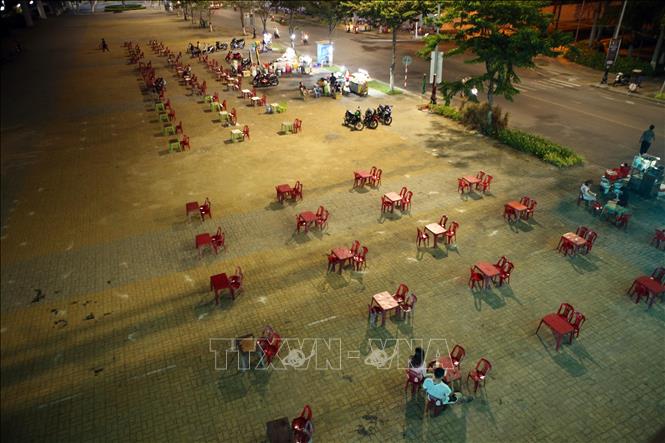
(245, 130)
(402, 290)
(325, 215)
(525, 200)
(363, 252)
(296, 186)
(566, 310)
(532, 205)
(508, 267)
(306, 413)
(658, 274)
(378, 174)
(501, 263)
(591, 237)
(355, 246)
(372, 171)
(453, 227)
(402, 191)
(578, 320)
(224, 104)
(443, 220)
(474, 273)
(487, 180)
(219, 232)
(407, 197)
(411, 300)
(480, 174)
(239, 274)
(207, 204)
(483, 367)
(457, 354)
(319, 212)
(461, 182)
(581, 231)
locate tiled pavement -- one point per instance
(95, 221)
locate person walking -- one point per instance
(105, 46)
(646, 139)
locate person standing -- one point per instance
(105, 46)
(646, 139)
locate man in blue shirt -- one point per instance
(646, 139)
(437, 389)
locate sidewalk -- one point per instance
(108, 318)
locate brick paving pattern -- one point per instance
(107, 317)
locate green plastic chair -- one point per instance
(169, 129)
(208, 98)
(159, 106)
(163, 118)
(281, 107)
(174, 145)
(215, 107)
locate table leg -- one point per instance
(559, 337)
(383, 318)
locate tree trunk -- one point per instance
(594, 26)
(40, 9)
(264, 21)
(659, 46)
(242, 19)
(27, 16)
(292, 27)
(490, 100)
(392, 62)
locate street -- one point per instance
(556, 101)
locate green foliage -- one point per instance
(120, 8)
(660, 96)
(502, 35)
(585, 55)
(540, 147)
(332, 12)
(447, 111)
(475, 116)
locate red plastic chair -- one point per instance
(475, 279)
(301, 224)
(245, 132)
(263, 101)
(401, 292)
(566, 311)
(658, 237)
(451, 233)
(205, 209)
(531, 208)
(402, 191)
(386, 204)
(578, 320)
(217, 240)
(525, 200)
(319, 212)
(184, 143)
(332, 262)
(233, 116)
(360, 259)
(406, 201)
(422, 237)
(414, 379)
(167, 104)
(269, 343)
(355, 246)
(658, 274)
(302, 426)
(297, 191)
(237, 281)
(582, 231)
(462, 185)
(566, 246)
(480, 175)
(297, 126)
(504, 273)
(485, 184)
(502, 262)
(408, 306)
(178, 128)
(621, 221)
(479, 374)
(171, 115)
(372, 171)
(639, 291)
(509, 213)
(457, 355)
(591, 237)
(322, 221)
(375, 179)
(224, 105)
(443, 221)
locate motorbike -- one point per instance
(385, 114)
(221, 46)
(159, 85)
(237, 43)
(635, 80)
(245, 64)
(371, 119)
(353, 120)
(233, 56)
(621, 79)
(305, 39)
(265, 80)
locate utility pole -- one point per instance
(608, 63)
(579, 19)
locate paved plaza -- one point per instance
(107, 317)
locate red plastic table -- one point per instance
(471, 180)
(518, 207)
(452, 372)
(654, 287)
(488, 271)
(436, 230)
(394, 198)
(575, 239)
(559, 327)
(191, 208)
(203, 240)
(283, 191)
(218, 283)
(363, 176)
(308, 217)
(342, 254)
(386, 302)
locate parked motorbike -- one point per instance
(233, 56)
(353, 120)
(621, 79)
(221, 46)
(245, 64)
(305, 39)
(371, 119)
(385, 114)
(237, 43)
(265, 80)
(635, 80)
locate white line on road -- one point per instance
(55, 402)
(564, 83)
(322, 320)
(629, 102)
(156, 371)
(609, 98)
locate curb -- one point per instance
(636, 96)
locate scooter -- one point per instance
(265, 80)
(385, 114)
(233, 56)
(305, 39)
(237, 43)
(371, 119)
(221, 46)
(353, 120)
(621, 79)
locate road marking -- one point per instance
(322, 320)
(156, 371)
(609, 98)
(55, 402)
(629, 102)
(564, 83)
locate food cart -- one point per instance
(358, 82)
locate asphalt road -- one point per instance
(557, 102)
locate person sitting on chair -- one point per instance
(417, 363)
(585, 192)
(437, 390)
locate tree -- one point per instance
(391, 13)
(262, 8)
(243, 6)
(501, 34)
(292, 7)
(331, 12)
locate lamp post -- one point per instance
(608, 62)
